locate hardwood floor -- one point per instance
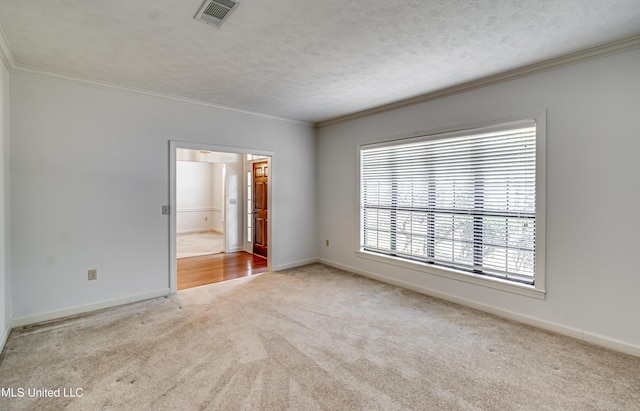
(213, 268)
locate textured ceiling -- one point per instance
(305, 59)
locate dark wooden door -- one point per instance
(260, 207)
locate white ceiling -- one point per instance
(305, 59)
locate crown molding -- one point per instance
(6, 54)
(546, 65)
(106, 85)
(8, 58)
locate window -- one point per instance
(463, 202)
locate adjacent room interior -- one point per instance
(221, 218)
(200, 204)
(319, 205)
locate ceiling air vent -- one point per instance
(215, 12)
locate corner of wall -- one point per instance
(6, 54)
(5, 221)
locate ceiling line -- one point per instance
(528, 70)
(101, 84)
(8, 57)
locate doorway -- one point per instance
(235, 205)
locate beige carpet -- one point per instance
(312, 338)
(202, 243)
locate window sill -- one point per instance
(496, 283)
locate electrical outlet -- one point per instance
(206, 219)
(93, 274)
(326, 243)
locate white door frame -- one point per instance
(173, 146)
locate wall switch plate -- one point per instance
(326, 243)
(92, 274)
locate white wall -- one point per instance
(196, 189)
(90, 171)
(593, 193)
(5, 281)
(201, 191)
(193, 220)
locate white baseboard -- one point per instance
(81, 309)
(525, 319)
(298, 263)
(5, 335)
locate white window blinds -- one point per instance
(465, 201)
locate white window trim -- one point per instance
(538, 290)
